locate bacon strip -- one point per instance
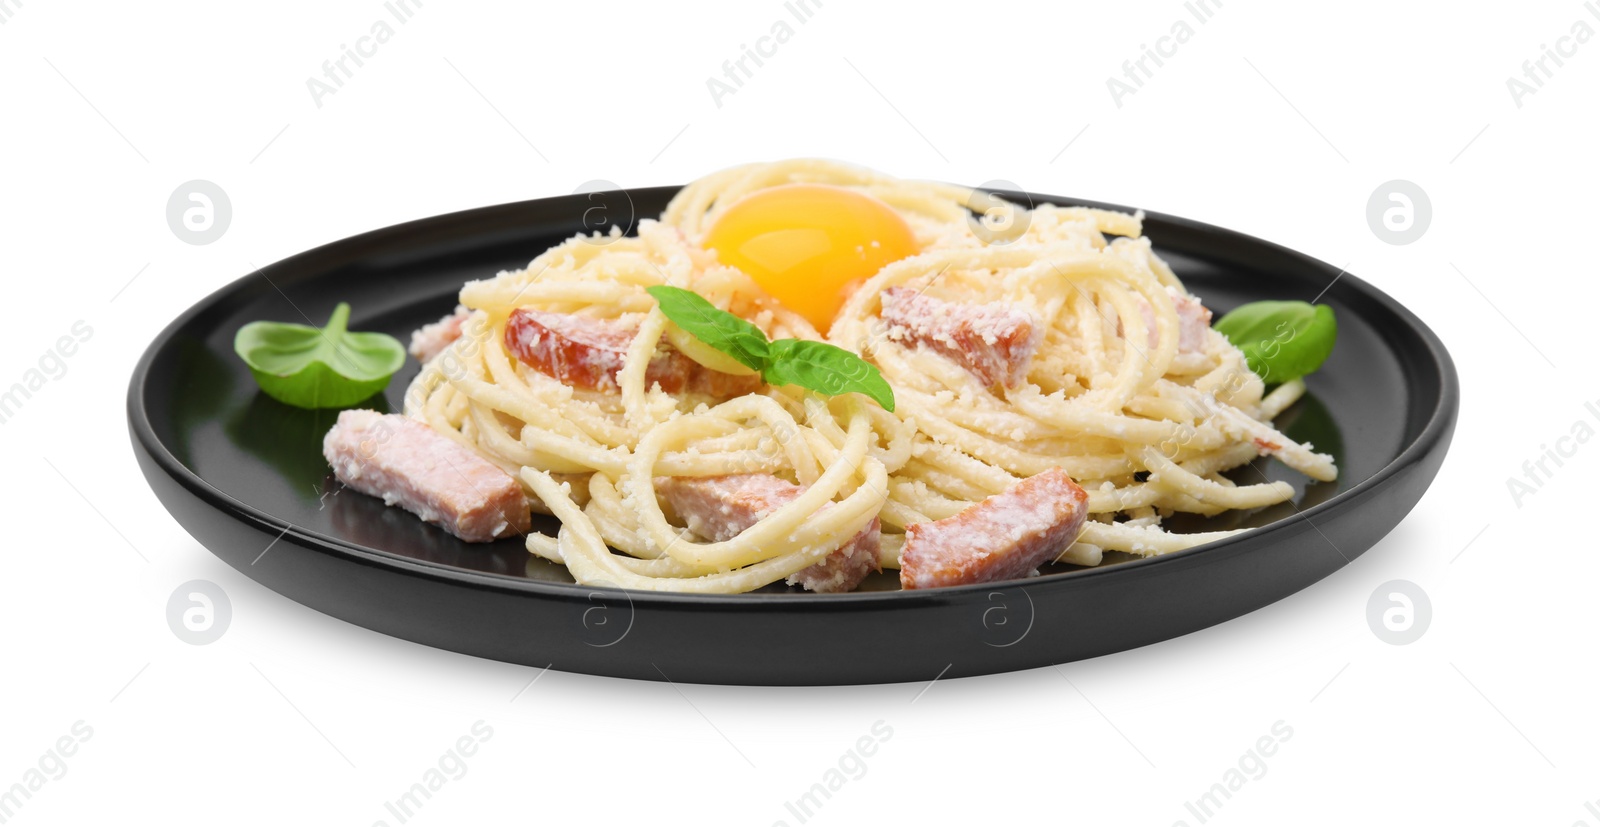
(1194, 321)
(430, 340)
(720, 508)
(589, 353)
(1005, 537)
(994, 341)
(434, 477)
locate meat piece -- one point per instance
(720, 508)
(715, 383)
(581, 351)
(430, 340)
(1194, 321)
(1266, 446)
(427, 473)
(994, 341)
(1006, 536)
(589, 353)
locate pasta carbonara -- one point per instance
(1016, 342)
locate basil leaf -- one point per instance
(825, 368)
(1281, 340)
(816, 366)
(311, 368)
(718, 328)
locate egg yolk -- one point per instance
(807, 245)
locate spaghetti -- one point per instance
(1144, 414)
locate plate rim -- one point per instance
(1438, 426)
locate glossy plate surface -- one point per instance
(241, 471)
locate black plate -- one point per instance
(242, 472)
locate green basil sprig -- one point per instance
(1281, 340)
(311, 368)
(816, 366)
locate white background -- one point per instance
(1278, 120)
